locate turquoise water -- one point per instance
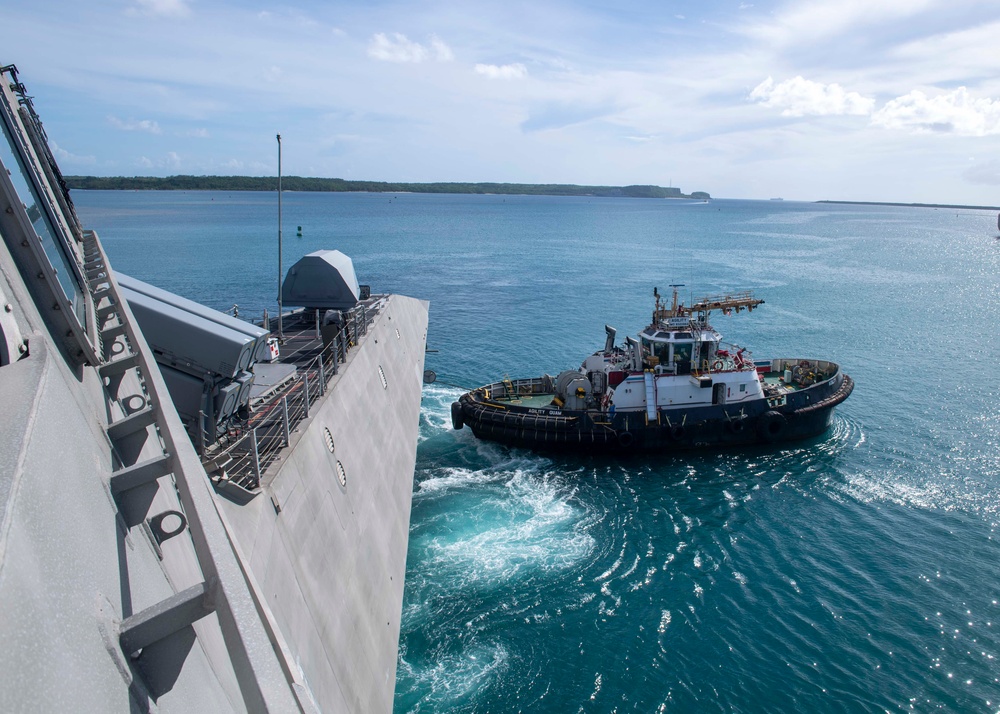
(859, 571)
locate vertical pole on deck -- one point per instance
(281, 334)
(256, 454)
(284, 419)
(322, 376)
(305, 394)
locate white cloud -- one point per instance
(798, 97)
(67, 157)
(504, 71)
(147, 125)
(200, 133)
(172, 160)
(955, 112)
(441, 51)
(398, 47)
(804, 23)
(160, 8)
(967, 48)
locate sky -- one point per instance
(869, 100)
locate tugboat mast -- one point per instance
(660, 313)
(727, 302)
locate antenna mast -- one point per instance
(281, 334)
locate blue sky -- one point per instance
(895, 100)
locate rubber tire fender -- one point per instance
(770, 424)
(457, 418)
(626, 439)
(736, 426)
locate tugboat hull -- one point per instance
(514, 419)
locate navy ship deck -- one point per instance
(310, 358)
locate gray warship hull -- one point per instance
(130, 579)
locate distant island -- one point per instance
(915, 205)
(300, 183)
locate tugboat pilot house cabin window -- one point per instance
(669, 354)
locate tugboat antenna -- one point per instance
(675, 286)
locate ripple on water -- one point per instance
(961, 482)
(482, 528)
(452, 678)
(435, 410)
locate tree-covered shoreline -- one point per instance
(300, 183)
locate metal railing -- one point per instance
(238, 461)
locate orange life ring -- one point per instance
(717, 365)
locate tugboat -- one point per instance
(676, 387)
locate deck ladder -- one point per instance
(650, 396)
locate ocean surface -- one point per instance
(859, 571)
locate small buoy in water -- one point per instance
(299, 234)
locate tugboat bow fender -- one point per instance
(487, 413)
(842, 393)
(457, 418)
